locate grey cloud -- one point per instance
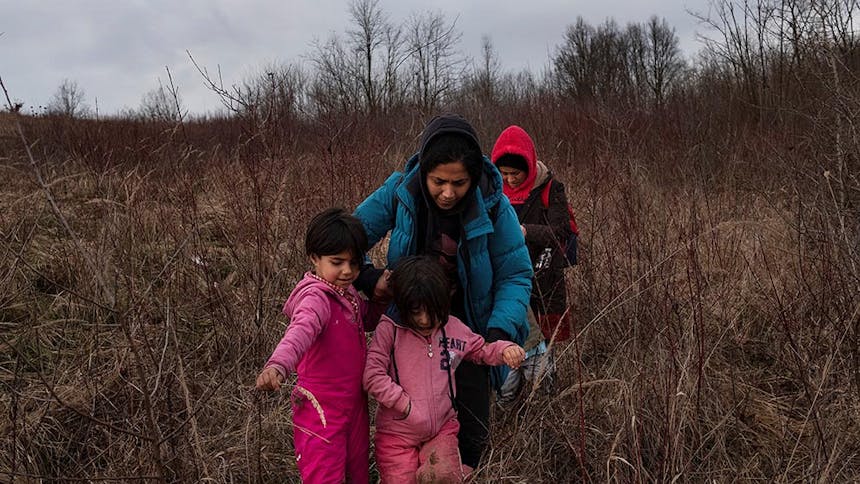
(117, 50)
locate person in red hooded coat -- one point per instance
(545, 227)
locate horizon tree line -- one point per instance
(763, 51)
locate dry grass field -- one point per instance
(143, 266)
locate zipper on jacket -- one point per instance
(432, 407)
(411, 245)
(463, 253)
(412, 248)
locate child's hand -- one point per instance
(269, 380)
(382, 291)
(513, 356)
(406, 413)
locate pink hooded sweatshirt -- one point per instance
(424, 374)
(325, 342)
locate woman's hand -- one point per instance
(269, 380)
(513, 356)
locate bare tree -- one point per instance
(162, 104)
(521, 87)
(360, 72)
(750, 36)
(837, 20)
(277, 91)
(336, 84)
(157, 105)
(592, 63)
(489, 71)
(434, 63)
(374, 37)
(573, 61)
(394, 88)
(68, 100)
(664, 62)
(609, 62)
(636, 60)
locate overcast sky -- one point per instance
(117, 50)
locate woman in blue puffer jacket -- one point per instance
(448, 203)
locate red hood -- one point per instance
(515, 141)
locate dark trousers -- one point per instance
(473, 410)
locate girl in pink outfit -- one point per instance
(409, 371)
(326, 346)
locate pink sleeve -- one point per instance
(483, 353)
(310, 316)
(377, 381)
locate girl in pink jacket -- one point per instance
(326, 346)
(410, 366)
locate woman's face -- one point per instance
(512, 176)
(447, 184)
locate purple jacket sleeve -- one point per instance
(483, 353)
(377, 381)
(309, 318)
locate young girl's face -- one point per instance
(339, 269)
(422, 321)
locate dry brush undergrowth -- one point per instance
(717, 313)
(715, 308)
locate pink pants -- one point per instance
(404, 461)
(336, 453)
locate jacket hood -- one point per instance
(515, 141)
(309, 282)
(448, 124)
(543, 174)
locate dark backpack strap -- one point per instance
(393, 360)
(544, 194)
(544, 199)
(448, 357)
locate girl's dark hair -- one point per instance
(450, 147)
(333, 231)
(419, 282)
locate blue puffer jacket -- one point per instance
(492, 262)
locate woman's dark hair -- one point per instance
(511, 160)
(450, 147)
(333, 231)
(419, 282)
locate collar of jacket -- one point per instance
(542, 174)
(393, 315)
(310, 281)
